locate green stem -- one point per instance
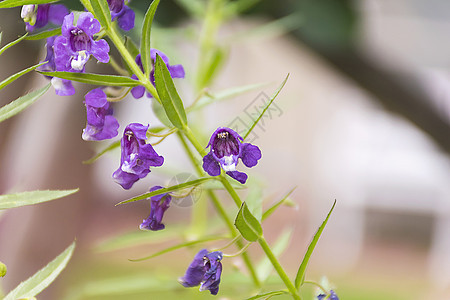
(231, 191)
(266, 248)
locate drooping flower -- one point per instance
(158, 206)
(100, 124)
(332, 296)
(75, 45)
(137, 156)
(63, 87)
(205, 270)
(122, 13)
(38, 16)
(226, 148)
(176, 71)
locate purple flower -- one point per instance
(63, 87)
(159, 205)
(76, 44)
(101, 124)
(205, 270)
(226, 148)
(137, 156)
(38, 16)
(176, 71)
(122, 13)
(332, 296)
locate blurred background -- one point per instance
(364, 119)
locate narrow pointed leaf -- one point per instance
(111, 146)
(266, 107)
(101, 11)
(169, 189)
(33, 197)
(21, 103)
(268, 295)
(302, 269)
(44, 34)
(13, 42)
(43, 278)
(170, 99)
(15, 3)
(18, 74)
(274, 207)
(95, 79)
(145, 37)
(247, 224)
(87, 5)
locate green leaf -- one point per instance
(272, 209)
(43, 278)
(87, 5)
(254, 201)
(111, 146)
(302, 269)
(169, 189)
(15, 3)
(44, 34)
(134, 51)
(18, 74)
(145, 37)
(160, 113)
(13, 42)
(170, 99)
(182, 245)
(95, 79)
(2, 269)
(268, 295)
(33, 197)
(101, 11)
(267, 106)
(21, 103)
(247, 224)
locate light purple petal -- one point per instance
(67, 25)
(100, 50)
(250, 155)
(210, 165)
(153, 53)
(88, 23)
(126, 180)
(63, 87)
(126, 19)
(239, 176)
(176, 71)
(96, 98)
(56, 13)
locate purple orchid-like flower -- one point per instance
(226, 148)
(100, 124)
(122, 13)
(76, 44)
(137, 156)
(176, 71)
(159, 205)
(332, 296)
(63, 87)
(38, 16)
(204, 270)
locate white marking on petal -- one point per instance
(28, 14)
(79, 62)
(229, 164)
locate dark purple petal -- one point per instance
(100, 51)
(210, 165)
(195, 271)
(115, 5)
(333, 295)
(63, 87)
(88, 24)
(250, 155)
(126, 19)
(213, 266)
(159, 205)
(239, 176)
(225, 142)
(56, 13)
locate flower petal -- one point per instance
(56, 13)
(250, 155)
(210, 165)
(100, 50)
(126, 19)
(195, 271)
(88, 23)
(239, 176)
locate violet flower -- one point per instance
(38, 16)
(63, 87)
(76, 44)
(101, 124)
(122, 13)
(159, 205)
(205, 270)
(332, 296)
(176, 71)
(137, 156)
(226, 148)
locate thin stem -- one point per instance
(231, 191)
(266, 248)
(234, 240)
(316, 284)
(243, 249)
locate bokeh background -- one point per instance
(364, 119)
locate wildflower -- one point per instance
(332, 296)
(205, 270)
(226, 148)
(101, 124)
(159, 205)
(76, 44)
(176, 71)
(122, 13)
(38, 16)
(137, 156)
(63, 87)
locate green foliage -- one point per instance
(100, 9)
(18, 74)
(43, 278)
(247, 224)
(21, 103)
(15, 3)
(95, 79)
(283, 200)
(44, 34)
(268, 295)
(2, 269)
(33, 197)
(145, 37)
(170, 99)
(7, 46)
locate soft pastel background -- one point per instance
(364, 118)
